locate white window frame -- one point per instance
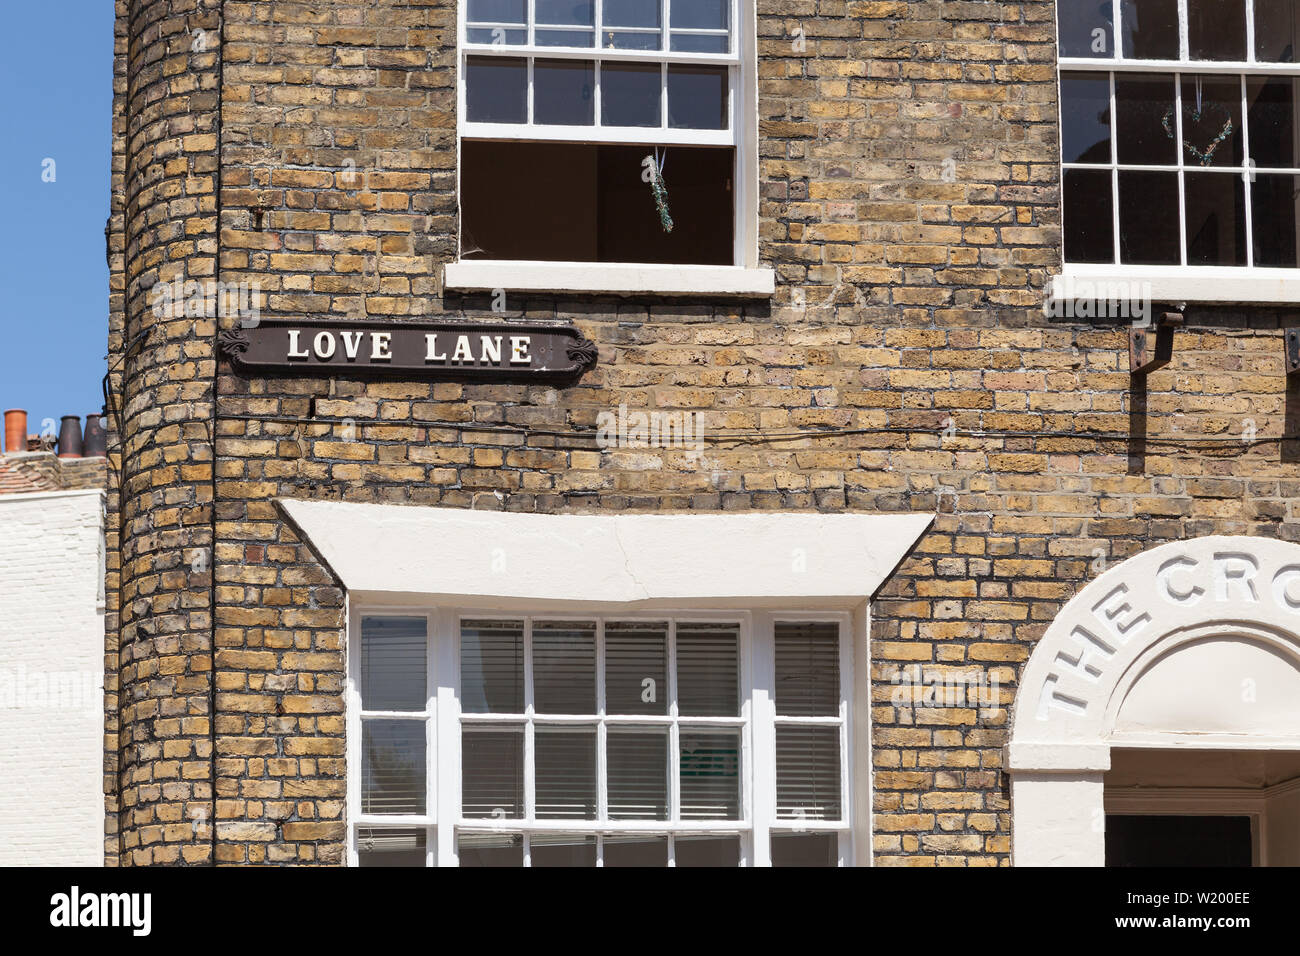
(442, 716)
(744, 277)
(1177, 283)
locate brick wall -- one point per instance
(51, 682)
(909, 205)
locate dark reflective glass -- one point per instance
(1277, 30)
(1211, 121)
(1148, 218)
(1144, 119)
(496, 89)
(1216, 219)
(562, 92)
(1085, 28)
(1272, 103)
(706, 851)
(1089, 225)
(630, 94)
(1274, 206)
(1150, 29)
(697, 97)
(1216, 29)
(1085, 118)
(805, 849)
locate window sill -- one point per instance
(615, 278)
(1175, 284)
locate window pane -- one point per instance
(1212, 132)
(1274, 211)
(1085, 118)
(1216, 29)
(808, 669)
(566, 773)
(393, 663)
(638, 774)
(808, 772)
(699, 15)
(1272, 104)
(1276, 30)
(562, 92)
(1216, 219)
(578, 38)
(389, 846)
(631, 13)
(636, 668)
(490, 849)
(710, 775)
(496, 36)
(706, 851)
(1148, 218)
(1084, 28)
(498, 11)
(697, 97)
(496, 89)
(630, 95)
(492, 667)
(1144, 107)
(492, 772)
(392, 766)
(708, 667)
(1150, 29)
(620, 40)
(700, 42)
(1089, 216)
(562, 849)
(805, 849)
(636, 851)
(565, 12)
(564, 667)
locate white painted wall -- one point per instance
(51, 679)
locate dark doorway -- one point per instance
(1177, 840)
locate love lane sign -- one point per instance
(451, 351)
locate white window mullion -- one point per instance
(445, 644)
(433, 803)
(352, 746)
(1248, 173)
(1182, 174)
(1114, 171)
(674, 731)
(531, 96)
(1183, 42)
(1250, 36)
(602, 733)
(762, 736)
(530, 768)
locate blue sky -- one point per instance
(56, 87)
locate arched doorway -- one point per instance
(1168, 687)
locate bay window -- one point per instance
(692, 739)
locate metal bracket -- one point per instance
(1151, 347)
(1291, 342)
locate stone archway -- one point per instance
(1193, 644)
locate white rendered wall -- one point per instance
(51, 679)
